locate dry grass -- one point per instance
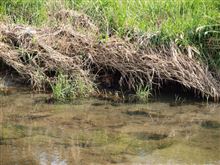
(36, 53)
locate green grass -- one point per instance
(143, 93)
(24, 11)
(171, 18)
(207, 39)
(175, 20)
(66, 89)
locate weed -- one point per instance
(66, 89)
(62, 88)
(143, 93)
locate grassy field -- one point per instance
(186, 22)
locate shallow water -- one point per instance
(99, 132)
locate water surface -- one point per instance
(99, 132)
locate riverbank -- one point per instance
(72, 51)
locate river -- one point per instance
(94, 131)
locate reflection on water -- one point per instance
(97, 132)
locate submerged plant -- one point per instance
(143, 93)
(66, 89)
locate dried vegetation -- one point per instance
(74, 47)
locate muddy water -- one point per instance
(98, 132)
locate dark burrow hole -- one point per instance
(108, 79)
(175, 93)
(11, 77)
(166, 90)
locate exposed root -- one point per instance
(35, 53)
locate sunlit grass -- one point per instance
(171, 18)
